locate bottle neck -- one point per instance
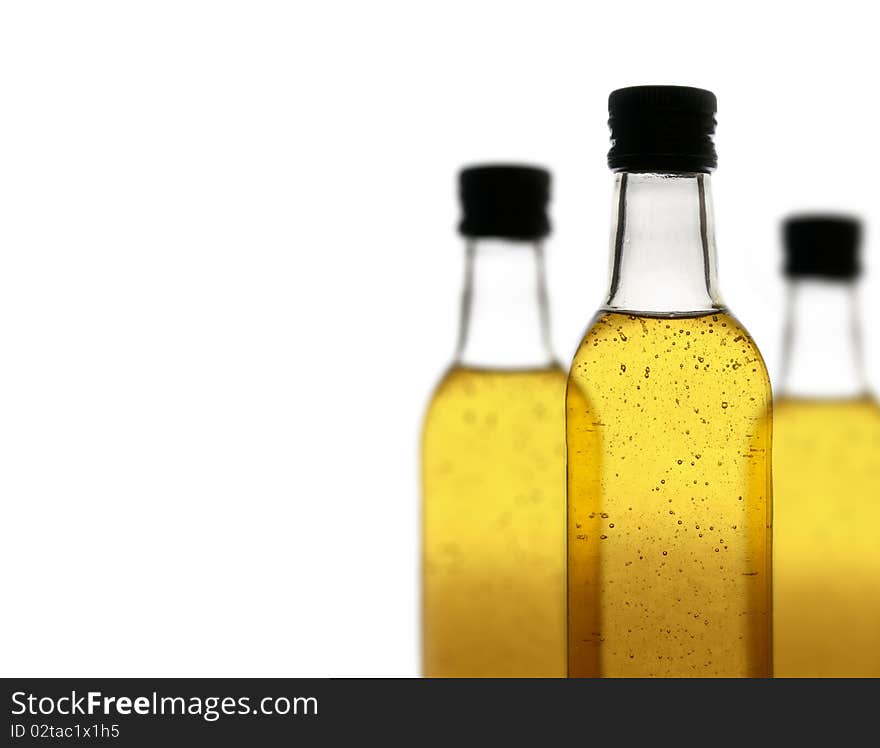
(505, 320)
(822, 346)
(663, 245)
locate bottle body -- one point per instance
(493, 524)
(493, 475)
(826, 466)
(669, 501)
(827, 553)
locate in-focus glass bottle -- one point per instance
(493, 451)
(826, 469)
(668, 425)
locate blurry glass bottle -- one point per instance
(668, 429)
(492, 452)
(826, 466)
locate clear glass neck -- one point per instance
(822, 345)
(663, 245)
(505, 319)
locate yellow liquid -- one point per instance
(826, 471)
(494, 525)
(668, 435)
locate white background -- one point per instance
(229, 280)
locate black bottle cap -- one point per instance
(505, 200)
(822, 246)
(662, 129)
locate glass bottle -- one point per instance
(826, 469)
(493, 451)
(668, 427)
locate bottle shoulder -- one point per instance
(719, 330)
(864, 409)
(480, 405)
(828, 437)
(458, 375)
(463, 385)
(709, 349)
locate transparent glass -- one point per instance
(668, 452)
(822, 345)
(663, 245)
(827, 492)
(505, 315)
(494, 481)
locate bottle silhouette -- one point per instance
(668, 429)
(493, 451)
(826, 467)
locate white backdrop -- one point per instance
(229, 280)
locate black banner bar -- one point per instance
(255, 712)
